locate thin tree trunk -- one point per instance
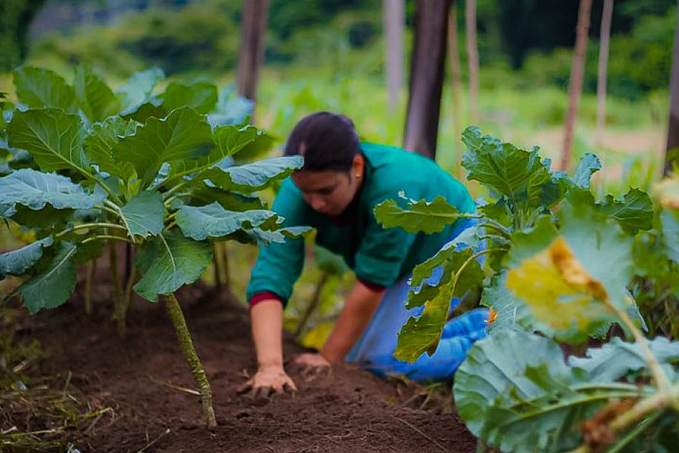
(604, 41)
(91, 271)
(473, 60)
(251, 51)
(394, 24)
(313, 304)
(456, 76)
(575, 83)
(189, 351)
(426, 76)
(672, 151)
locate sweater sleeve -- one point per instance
(279, 265)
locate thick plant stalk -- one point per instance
(128, 291)
(313, 304)
(195, 365)
(225, 266)
(91, 270)
(216, 257)
(118, 300)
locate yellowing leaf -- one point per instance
(317, 336)
(558, 290)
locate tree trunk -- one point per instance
(189, 351)
(575, 83)
(456, 76)
(672, 150)
(604, 41)
(426, 76)
(251, 51)
(394, 24)
(473, 61)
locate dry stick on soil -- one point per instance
(313, 304)
(167, 431)
(421, 433)
(195, 365)
(92, 269)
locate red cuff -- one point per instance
(372, 286)
(266, 295)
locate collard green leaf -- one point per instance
(616, 359)
(255, 176)
(144, 214)
(152, 108)
(670, 230)
(256, 149)
(94, 97)
(506, 170)
(515, 393)
(229, 200)
(54, 283)
(231, 111)
(511, 312)
(419, 216)
(52, 137)
(42, 88)
(183, 135)
(634, 212)
(201, 96)
(589, 164)
(18, 262)
(44, 219)
(460, 273)
(34, 190)
(169, 261)
(103, 139)
(214, 221)
(139, 87)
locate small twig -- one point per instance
(421, 433)
(175, 387)
(157, 439)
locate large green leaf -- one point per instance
(95, 98)
(670, 230)
(139, 87)
(511, 312)
(17, 262)
(418, 216)
(202, 96)
(103, 139)
(616, 359)
(228, 141)
(515, 393)
(144, 214)
(42, 88)
(231, 110)
(34, 190)
(183, 135)
(255, 176)
(460, 273)
(229, 200)
(52, 137)
(506, 170)
(54, 282)
(169, 261)
(634, 212)
(213, 221)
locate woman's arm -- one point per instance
(354, 318)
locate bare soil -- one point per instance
(140, 377)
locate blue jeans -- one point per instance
(375, 349)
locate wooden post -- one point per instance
(575, 82)
(672, 153)
(251, 51)
(394, 24)
(604, 42)
(456, 76)
(472, 60)
(426, 76)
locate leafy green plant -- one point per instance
(151, 171)
(558, 268)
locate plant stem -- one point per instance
(659, 375)
(128, 290)
(313, 303)
(216, 266)
(88, 286)
(118, 300)
(187, 348)
(89, 226)
(105, 236)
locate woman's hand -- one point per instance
(268, 381)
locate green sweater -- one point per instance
(377, 255)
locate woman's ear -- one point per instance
(358, 165)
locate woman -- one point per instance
(336, 190)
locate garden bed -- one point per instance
(143, 380)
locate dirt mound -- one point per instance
(144, 379)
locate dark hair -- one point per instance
(328, 141)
